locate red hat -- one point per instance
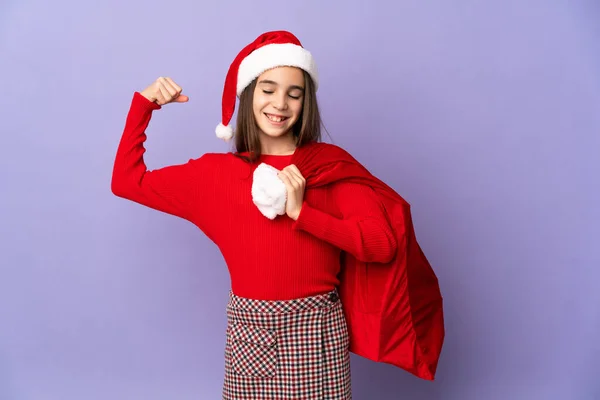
(269, 50)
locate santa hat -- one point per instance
(269, 50)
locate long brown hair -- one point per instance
(306, 130)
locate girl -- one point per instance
(287, 337)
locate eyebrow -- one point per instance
(269, 82)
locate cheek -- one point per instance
(256, 107)
(258, 103)
(297, 107)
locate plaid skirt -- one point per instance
(287, 349)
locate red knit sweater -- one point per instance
(267, 259)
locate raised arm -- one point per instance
(182, 190)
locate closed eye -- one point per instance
(271, 92)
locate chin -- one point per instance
(275, 133)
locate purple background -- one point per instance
(485, 117)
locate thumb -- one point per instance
(182, 99)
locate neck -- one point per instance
(278, 146)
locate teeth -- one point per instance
(274, 118)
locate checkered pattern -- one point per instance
(292, 349)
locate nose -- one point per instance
(280, 101)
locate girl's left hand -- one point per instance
(295, 184)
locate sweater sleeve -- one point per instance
(174, 189)
(362, 230)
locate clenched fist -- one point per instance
(164, 91)
(295, 185)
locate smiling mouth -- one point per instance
(275, 118)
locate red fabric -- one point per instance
(277, 259)
(392, 301)
(394, 310)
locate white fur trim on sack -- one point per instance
(268, 191)
(271, 56)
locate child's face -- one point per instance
(278, 99)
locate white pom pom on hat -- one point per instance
(269, 50)
(224, 132)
